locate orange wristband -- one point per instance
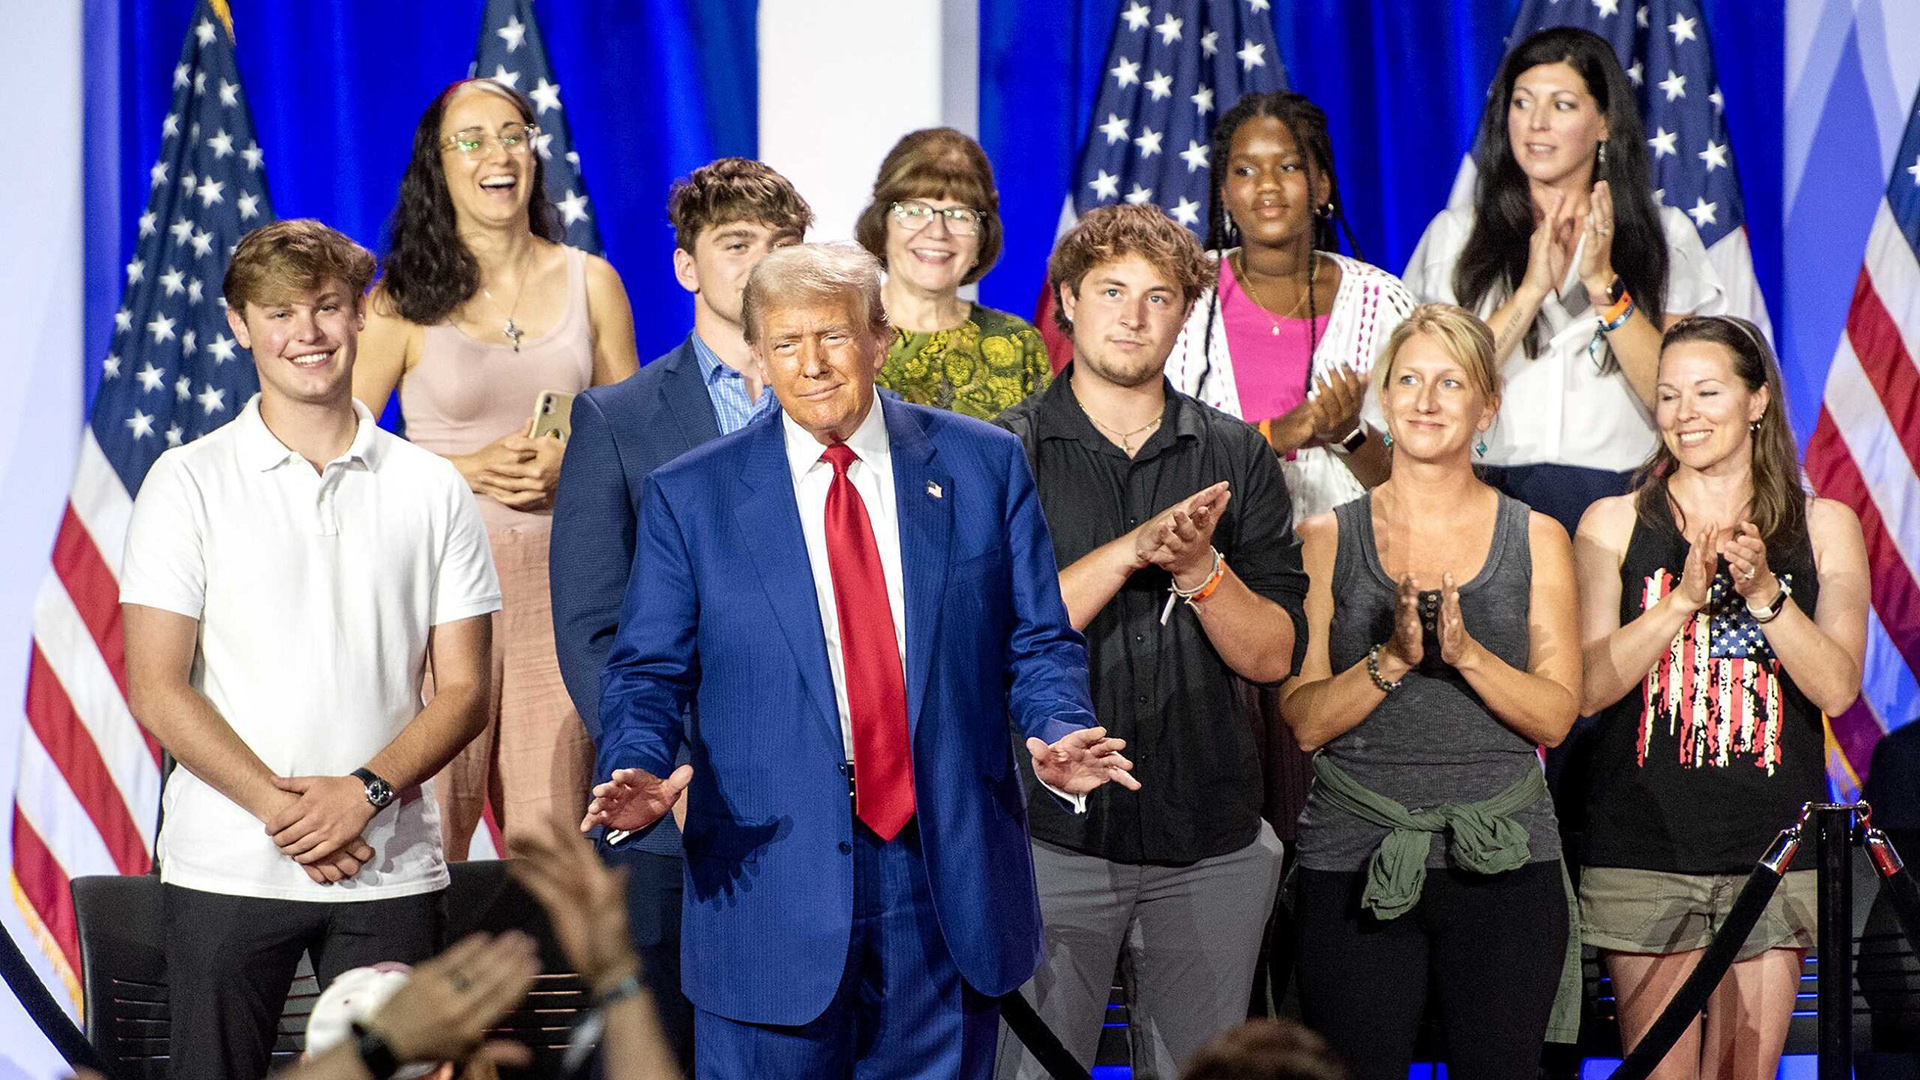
(1219, 575)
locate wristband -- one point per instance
(631, 986)
(1775, 607)
(1616, 316)
(1386, 685)
(375, 1053)
(1197, 594)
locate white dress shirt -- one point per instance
(871, 474)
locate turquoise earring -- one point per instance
(1386, 439)
(1481, 447)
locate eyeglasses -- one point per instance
(914, 215)
(473, 141)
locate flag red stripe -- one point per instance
(96, 596)
(1883, 356)
(71, 747)
(1896, 596)
(44, 884)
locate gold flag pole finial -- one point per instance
(226, 15)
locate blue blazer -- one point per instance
(621, 433)
(727, 617)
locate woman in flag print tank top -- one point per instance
(1723, 611)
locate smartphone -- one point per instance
(552, 415)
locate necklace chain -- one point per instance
(1125, 437)
(1246, 286)
(511, 329)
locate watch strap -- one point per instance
(374, 782)
(1355, 439)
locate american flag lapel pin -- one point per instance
(933, 489)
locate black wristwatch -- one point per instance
(1356, 438)
(1616, 289)
(375, 1054)
(379, 792)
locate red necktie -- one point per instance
(876, 685)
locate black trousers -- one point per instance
(1492, 947)
(654, 884)
(230, 960)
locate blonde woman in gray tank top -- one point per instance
(1442, 653)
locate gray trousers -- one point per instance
(1186, 936)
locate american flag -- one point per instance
(1664, 47)
(89, 793)
(1174, 66)
(511, 52)
(1865, 452)
(1718, 691)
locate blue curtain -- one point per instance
(656, 87)
(653, 89)
(1402, 83)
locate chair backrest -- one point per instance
(124, 977)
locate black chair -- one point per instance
(124, 982)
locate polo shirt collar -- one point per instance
(1060, 416)
(261, 450)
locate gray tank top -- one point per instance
(1432, 741)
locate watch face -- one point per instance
(379, 793)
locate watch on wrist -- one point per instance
(375, 1054)
(379, 792)
(1356, 438)
(1775, 607)
(1616, 289)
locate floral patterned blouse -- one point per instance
(989, 362)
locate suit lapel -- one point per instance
(686, 396)
(923, 501)
(769, 517)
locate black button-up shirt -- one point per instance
(1187, 718)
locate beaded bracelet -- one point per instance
(1386, 685)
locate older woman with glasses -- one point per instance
(478, 312)
(934, 224)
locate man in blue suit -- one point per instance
(858, 597)
(726, 217)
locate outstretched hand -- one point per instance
(1082, 761)
(635, 798)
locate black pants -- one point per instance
(1492, 946)
(654, 884)
(230, 960)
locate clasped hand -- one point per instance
(1179, 539)
(320, 825)
(519, 472)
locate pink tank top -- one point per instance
(463, 394)
(1270, 358)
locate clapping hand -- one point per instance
(446, 1009)
(1696, 580)
(635, 798)
(1336, 401)
(1081, 761)
(1180, 539)
(1547, 250)
(585, 901)
(1455, 642)
(1596, 256)
(1408, 641)
(1746, 555)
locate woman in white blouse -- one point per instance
(1288, 338)
(1575, 268)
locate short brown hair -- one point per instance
(814, 273)
(1111, 233)
(935, 163)
(1265, 1049)
(734, 189)
(296, 255)
(1459, 333)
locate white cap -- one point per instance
(355, 996)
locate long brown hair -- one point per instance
(1778, 506)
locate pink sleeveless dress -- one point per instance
(534, 759)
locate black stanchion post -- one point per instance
(1833, 843)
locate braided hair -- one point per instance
(1308, 125)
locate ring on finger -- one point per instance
(1750, 574)
(459, 980)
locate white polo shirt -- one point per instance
(314, 593)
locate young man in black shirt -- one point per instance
(1172, 523)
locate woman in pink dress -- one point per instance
(478, 311)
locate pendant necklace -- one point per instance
(1313, 279)
(1126, 446)
(511, 329)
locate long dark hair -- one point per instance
(1495, 258)
(1778, 506)
(1308, 126)
(428, 271)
